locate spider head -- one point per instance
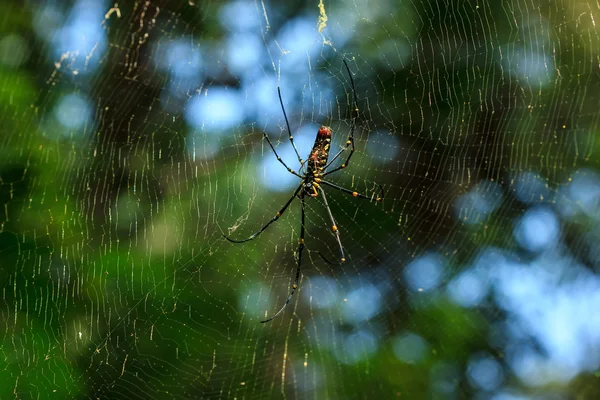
(324, 132)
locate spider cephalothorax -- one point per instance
(312, 172)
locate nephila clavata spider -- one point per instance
(314, 169)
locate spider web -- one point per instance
(134, 141)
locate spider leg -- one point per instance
(335, 157)
(279, 158)
(355, 194)
(333, 226)
(288, 128)
(326, 260)
(275, 218)
(297, 279)
(350, 141)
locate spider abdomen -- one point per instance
(317, 160)
(320, 152)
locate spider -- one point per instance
(314, 169)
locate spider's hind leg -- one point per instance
(334, 227)
(297, 278)
(275, 218)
